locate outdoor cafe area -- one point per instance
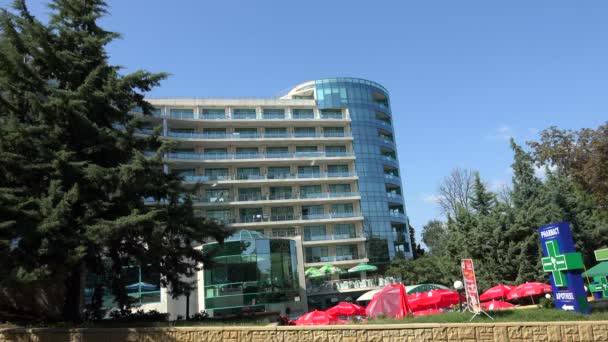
(349, 284)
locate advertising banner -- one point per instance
(470, 285)
(564, 265)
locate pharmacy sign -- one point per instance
(564, 266)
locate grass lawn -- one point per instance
(535, 315)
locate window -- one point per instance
(315, 233)
(305, 132)
(221, 215)
(250, 194)
(274, 113)
(333, 131)
(248, 173)
(246, 152)
(338, 150)
(310, 212)
(337, 170)
(184, 172)
(280, 192)
(307, 191)
(215, 132)
(244, 114)
(216, 153)
(219, 173)
(331, 114)
(245, 132)
(316, 254)
(281, 213)
(279, 172)
(183, 150)
(308, 171)
(181, 113)
(275, 133)
(339, 188)
(306, 149)
(214, 114)
(217, 195)
(251, 215)
(347, 252)
(278, 151)
(343, 208)
(283, 232)
(344, 231)
(303, 114)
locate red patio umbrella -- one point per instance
(433, 299)
(315, 318)
(498, 291)
(427, 312)
(346, 309)
(529, 289)
(496, 305)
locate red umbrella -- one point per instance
(436, 298)
(498, 291)
(427, 312)
(496, 305)
(346, 309)
(315, 318)
(529, 289)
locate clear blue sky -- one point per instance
(463, 75)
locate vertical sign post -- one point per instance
(564, 265)
(470, 286)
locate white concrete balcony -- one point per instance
(274, 179)
(263, 221)
(336, 260)
(257, 158)
(258, 200)
(334, 239)
(235, 137)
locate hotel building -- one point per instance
(318, 164)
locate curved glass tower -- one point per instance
(382, 205)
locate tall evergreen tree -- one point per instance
(74, 177)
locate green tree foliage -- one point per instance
(499, 231)
(74, 177)
(582, 155)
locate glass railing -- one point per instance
(390, 176)
(393, 195)
(264, 177)
(328, 237)
(389, 158)
(273, 116)
(300, 116)
(396, 214)
(213, 116)
(272, 135)
(331, 116)
(272, 197)
(244, 116)
(331, 258)
(181, 115)
(275, 218)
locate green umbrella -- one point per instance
(598, 270)
(310, 270)
(331, 269)
(316, 274)
(362, 267)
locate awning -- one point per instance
(368, 295)
(598, 270)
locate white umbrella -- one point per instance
(368, 295)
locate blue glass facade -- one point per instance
(376, 162)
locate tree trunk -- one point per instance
(74, 289)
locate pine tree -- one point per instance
(74, 177)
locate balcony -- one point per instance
(333, 238)
(350, 285)
(394, 195)
(263, 220)
(397, 215)
(282, 197)
(270, 177)
(296, 155)
(270, 135)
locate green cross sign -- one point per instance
(601, 287)
(557, 263)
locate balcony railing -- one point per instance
(196, 178)
(330, 237)
(391, 176)
(397, 215)
(295, 217)
(331, 258)
(270, 135)
(271, 197)
(393, 195)
(258, 155)
(353, 283)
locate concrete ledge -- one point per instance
(511, 331)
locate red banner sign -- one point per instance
(470, 285)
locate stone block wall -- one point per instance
(502, 332)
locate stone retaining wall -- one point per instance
(502, 332)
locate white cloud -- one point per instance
(434, 199)
(540, 171)
(503, 132)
